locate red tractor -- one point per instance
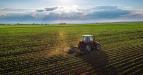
(86, 45)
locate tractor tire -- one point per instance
(98, 47)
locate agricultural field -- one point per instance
(42, 49)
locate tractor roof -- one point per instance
(87, 35)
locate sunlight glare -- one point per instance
(68, 5)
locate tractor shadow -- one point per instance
(99, 61)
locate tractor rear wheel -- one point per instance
(98, 47)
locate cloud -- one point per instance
(106, 7)
(136, 13)
(107, 12)
(10, 11)
(40, 10)
(51, 9)
(71, 14)
(57, 13)
(47, 9)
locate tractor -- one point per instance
(85, 46)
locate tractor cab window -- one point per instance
(87, 39)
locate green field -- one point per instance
(42, 49)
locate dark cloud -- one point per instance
(40, 10)
(106, 7)
(107, 12)
(47, 9)
(51, 9)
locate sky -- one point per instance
(70, 11)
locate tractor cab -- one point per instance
(87, 38)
